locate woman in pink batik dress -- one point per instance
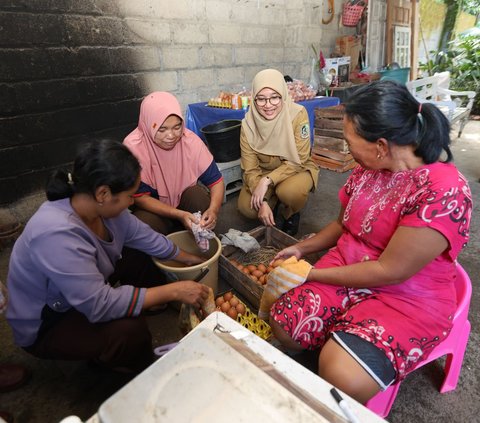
(383, 296)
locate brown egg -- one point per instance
(232, 313)
(219, 301)
(246, 271)
(262, 268)
(269, 269)
(234, 262)
(254, 278)
(251, 267)
(225, 306)
(240, 308)
(277, 262)
(257, 273)
(227, 296)
(240, 267)
(263, 279)
(234, 301)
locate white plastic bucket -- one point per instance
(186, 241)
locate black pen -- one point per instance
(344, 406)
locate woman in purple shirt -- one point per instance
(64, 298)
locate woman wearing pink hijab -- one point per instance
(173, 160)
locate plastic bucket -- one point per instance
(186, 241)
(223, 139)
(400, 75)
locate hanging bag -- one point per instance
(352, 12)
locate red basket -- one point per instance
(352, 14)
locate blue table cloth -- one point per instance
(199, 115)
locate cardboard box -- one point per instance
(349, 45)
(339, 67)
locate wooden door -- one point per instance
(402, 17)
(375, 47)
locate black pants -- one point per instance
(122, 344)
(193, 199)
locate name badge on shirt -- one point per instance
(305, 131)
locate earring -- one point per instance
(378, 156)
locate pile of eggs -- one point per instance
(230, 305)
(258, 273)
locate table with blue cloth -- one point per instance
(199, 115)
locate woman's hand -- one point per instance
(259, 193)
(187, 219)
(293, 250)
(209, 219)
(189, 259)
(265, 214)
(190, 292)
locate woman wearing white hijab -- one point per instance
(275, 145)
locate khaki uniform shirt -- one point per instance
(256, 165)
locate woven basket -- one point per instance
(352, 14)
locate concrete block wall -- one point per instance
(72, 70)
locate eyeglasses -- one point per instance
(262, 101)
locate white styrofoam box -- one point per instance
(205, 380)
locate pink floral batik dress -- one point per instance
(405, 320)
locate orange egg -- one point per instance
(257, 273)
(225, 306)
(240, 308)
(227, 296)
(251, 267)
(219, 301)
(232, 313)
(262, 268)
(234, 301)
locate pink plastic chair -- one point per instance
(454, 347)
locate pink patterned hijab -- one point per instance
(170, 172)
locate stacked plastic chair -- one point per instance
(453, 347)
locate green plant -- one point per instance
(462, 60)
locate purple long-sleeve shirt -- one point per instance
(59, 262)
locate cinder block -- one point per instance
(93, 30)
(156, 81)
(179, 58)
(184, 33)
(215, 56)
(226, 33)
(247, 55)
(229, 76)
(141, 31)
(193, 79)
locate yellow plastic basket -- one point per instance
(253, 323)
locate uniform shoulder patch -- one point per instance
(305, 131)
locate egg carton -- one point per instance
(251, 321)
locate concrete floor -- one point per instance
(57, 390)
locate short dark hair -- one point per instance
(102, 162)
(386, 109)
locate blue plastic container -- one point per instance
(400, 75)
